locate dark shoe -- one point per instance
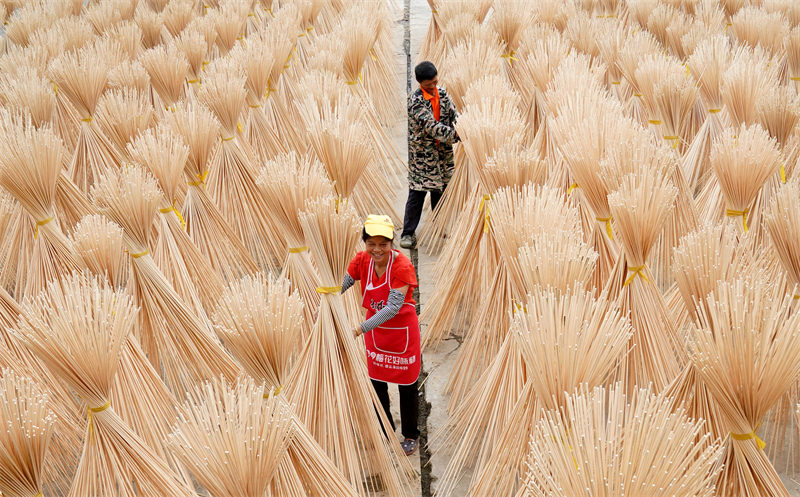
(409, 446)
(408, 241)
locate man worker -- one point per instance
(431, 135)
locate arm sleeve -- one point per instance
(347, 282)
(390, 310)
(432, 127)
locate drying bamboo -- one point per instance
(129, 74)
(508, 21)
(30, 93)
(168, 69)
(747, 353)
(640, 206)
(261, 321)
(29, 170)
(122, 115)
(232, 177)
(189, 273)
(30, 426)
(204, 222)
(178, 341)
(243, 434)
(100, 244)
(330, 374)
(605, 443)
(743, 159)
(288, 182)
(84, 349)
(82, 77)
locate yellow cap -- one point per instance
(379, 225)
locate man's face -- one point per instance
(429, 85)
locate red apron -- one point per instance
(393, 348)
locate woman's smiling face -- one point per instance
(379, 248)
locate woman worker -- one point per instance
(391, 331)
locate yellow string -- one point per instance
(637, 95)
(749, 436)
(172, 208)
(140, 254)
(90, 410)
(714, 111)
(329, 290)
(795, 78)
(783, 173)
(41, 223)
(193, 81)
(371, 54)
(485, 207)
(270, 89)
(40, 494)
(572, 187)
(510, 57)
(204, 64)
(55, 88)
(636, 270)
(655, 122)
(201, 179)
(227, 139)
(297, 250)
(239, 126)
(256, 106)
(616, 82)
(735, 213)
(277, 391)
(607, 220)
(87, 119)
(675, 140)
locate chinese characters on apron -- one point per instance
(393, 348)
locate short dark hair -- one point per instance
(425, 71)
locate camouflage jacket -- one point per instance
(430, 142)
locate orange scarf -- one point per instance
(434, 100)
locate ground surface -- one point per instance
(413, 20)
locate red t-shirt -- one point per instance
(402, 273)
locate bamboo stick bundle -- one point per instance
(508, 21)
(257, 60)
(17, 250)
(707, 64)
(789, 9)
(359, 33)
(205, 25)
(261, 321)
(744, 159)
(582, 152)
(288, 182)
(460, 68)
(29, 168)
(781, 223)
(380, 79)
(177, 14)
(129, 74)
(779, 113)
(100, 244)
(178, 341)
(30, 426)
(84, 349)
(103, 16)
(29, 18)
(638, 44)
(507, 167)
(755, 26)
(194, 46)
(239, 428)
(641, 205)
(163, 152)
(582, 31)
(205, 224)
(331, 366)
(29, 93)
(168, 69)
(128, 36)
(82, 77)
(753, 319)
(792, 57)
(232, 177)
(613, 440)
(744, 82)
(428, 49)
(669, 25)
(230, 24)
(265, 339)
(122, 115)
(151, 23)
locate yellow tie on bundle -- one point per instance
(329, 290)
(90, 410)
(485, 207)
(735, 213)
(636, 270)
(749, 436)
(607, 220)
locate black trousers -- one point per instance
(408, 406)
(416, 199)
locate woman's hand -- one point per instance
(357, 331)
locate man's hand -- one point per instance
(357, 331)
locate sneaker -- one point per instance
(409, 446)
(408, 241)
